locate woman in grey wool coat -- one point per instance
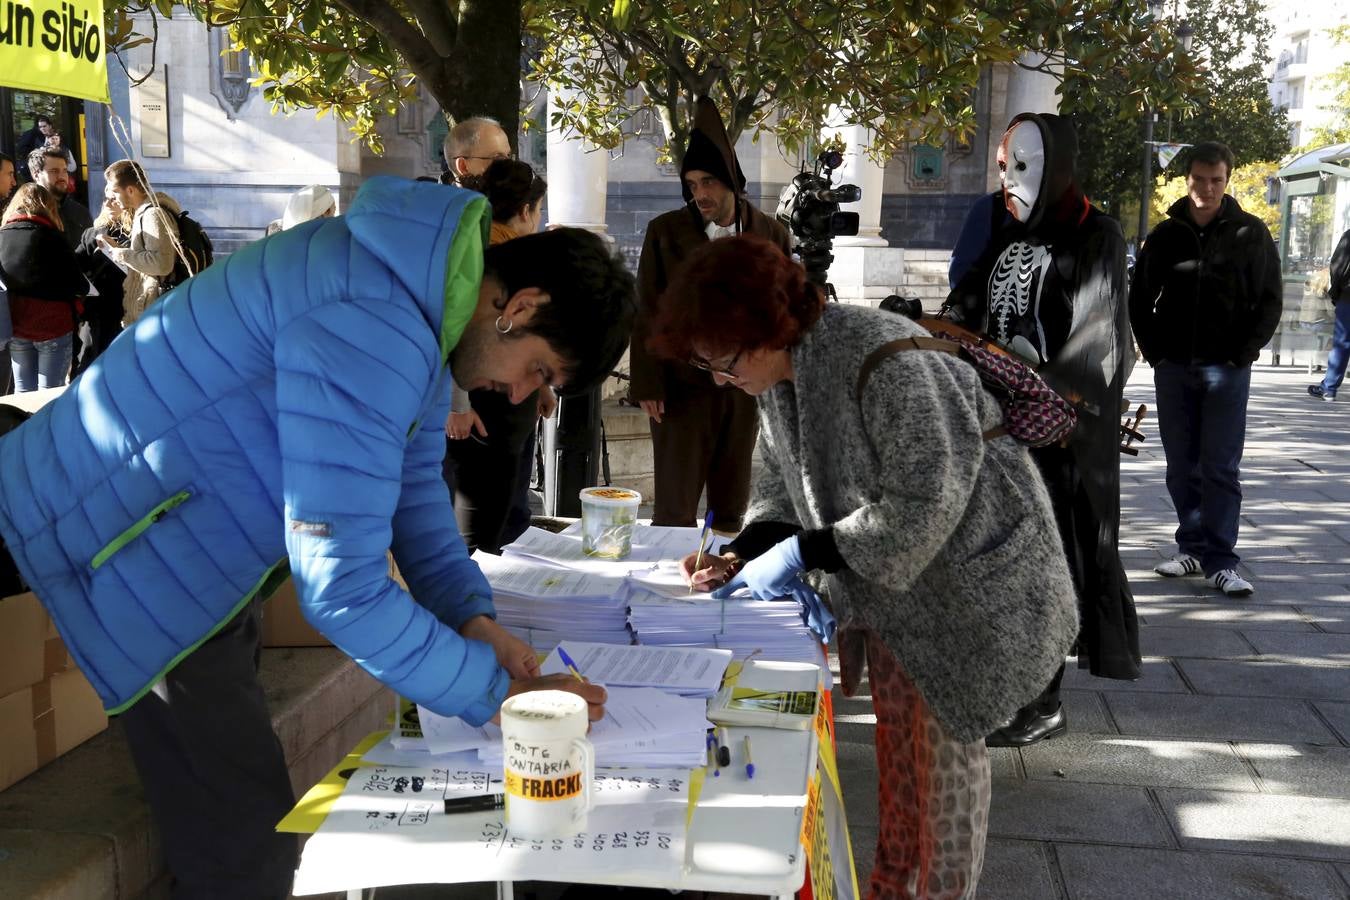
(939, 547)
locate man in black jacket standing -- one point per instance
(1206, 297)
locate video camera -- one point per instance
(809, 207)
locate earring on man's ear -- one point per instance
(500, 329)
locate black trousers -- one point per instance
(214, 772)
(484, 473)
(706, 437)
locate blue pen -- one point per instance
(571, 666)
(749, 766)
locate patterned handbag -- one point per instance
(1032, 412)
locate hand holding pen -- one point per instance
(702, 542)
(571, 665)
(702, 570)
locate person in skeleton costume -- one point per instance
(1050, 288)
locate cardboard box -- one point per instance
(43, 721)
(30, 649)
(283, 624)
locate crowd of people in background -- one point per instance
(63, 292)
(63, 309)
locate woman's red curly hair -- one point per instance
(736, 293)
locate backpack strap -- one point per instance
(887, 350)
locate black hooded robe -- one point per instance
(1058, 283)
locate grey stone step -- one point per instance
(79, 828)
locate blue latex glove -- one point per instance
(777, 573)
(767, 575)
(815, 613)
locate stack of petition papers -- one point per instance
(663, 612)
(543, 605)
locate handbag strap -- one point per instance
(889, 349)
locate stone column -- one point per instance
(865, 269)
(859, 169)
(578, 176)
(578, 186)
(1030, 91)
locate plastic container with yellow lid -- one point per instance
(607, 518)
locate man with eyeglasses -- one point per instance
(703, 434)
(472, 145)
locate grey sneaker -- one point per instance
(1231, 583)
(1316, 390)
(1181, 564)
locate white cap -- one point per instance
(310, 202)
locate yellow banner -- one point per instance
(54, 46)
(829, 848)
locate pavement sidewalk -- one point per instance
(1224, 772)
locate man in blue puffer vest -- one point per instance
(284, 410)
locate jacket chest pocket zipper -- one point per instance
(142, 524)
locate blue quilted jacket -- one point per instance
(285, 406)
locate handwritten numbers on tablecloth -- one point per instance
(414, 814)
(495, 835)
(635, 787)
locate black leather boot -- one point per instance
(1029, 726)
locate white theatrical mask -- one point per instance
(1021, 166)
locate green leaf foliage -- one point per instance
(777, 67)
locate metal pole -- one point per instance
(572, 453)
(1146, 184)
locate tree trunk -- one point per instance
(486, 62)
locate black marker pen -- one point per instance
(476, 803)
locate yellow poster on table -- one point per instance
(54, 46)
(829, 849)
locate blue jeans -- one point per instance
(1339, 353)
(1202, 419)
(40, 364)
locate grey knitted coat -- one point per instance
(950, 543)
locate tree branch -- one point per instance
(419, 53)
(154, 46)
(440, 28)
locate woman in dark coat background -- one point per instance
(1050, 287)
(43, 281)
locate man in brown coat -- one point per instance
(701, 433)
